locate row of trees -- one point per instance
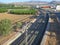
(3, 10)
(23, 11)
(6, 5)
(17, 10)
(6, 27)
(12, 6)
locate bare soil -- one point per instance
(14, 18)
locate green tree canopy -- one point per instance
(5, 27)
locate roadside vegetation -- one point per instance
(18, 26)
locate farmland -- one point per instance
(14, 18)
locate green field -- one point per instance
(3, 10)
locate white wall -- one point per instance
(58, 7)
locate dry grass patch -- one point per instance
(14, 18)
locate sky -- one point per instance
(9, 1)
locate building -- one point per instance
(46, 7)
(58, 7)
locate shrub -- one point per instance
(5, 27)
(18, 24)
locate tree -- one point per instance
(5, 27)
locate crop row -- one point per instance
(23, 11)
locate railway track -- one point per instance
(36, 36)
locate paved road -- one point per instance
(34, 33)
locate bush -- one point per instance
(18, 24)
(5, 27)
